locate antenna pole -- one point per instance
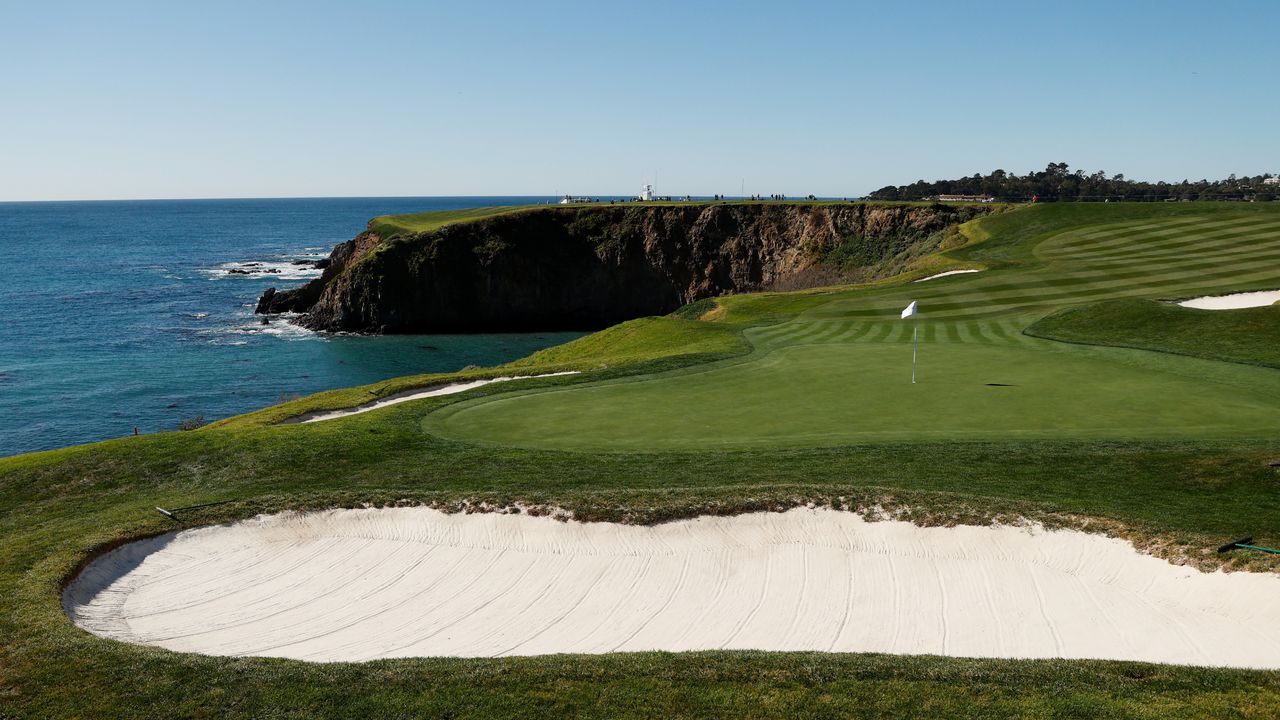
(914, 345)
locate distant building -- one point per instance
(965, 198)
(1271, 181)
(647, 193)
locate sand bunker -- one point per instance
(944, 274)
(1235, 301)
(365, 584)
(408, 395)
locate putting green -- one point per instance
(839, 372)
(862, 392)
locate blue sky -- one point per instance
(227, 99)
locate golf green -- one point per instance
(862, 392)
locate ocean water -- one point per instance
(115, 315)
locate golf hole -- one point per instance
(354, 585)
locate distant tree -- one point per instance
(1058, 183)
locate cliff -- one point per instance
(581, 268)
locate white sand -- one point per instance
(1235, 301)
(944, 274)
(408, 395)
(365, 584)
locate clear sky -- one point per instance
(262, 99)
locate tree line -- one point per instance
(1057, 183)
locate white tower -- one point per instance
(647, 193)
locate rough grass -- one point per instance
(1247, 335)
(1178, 498)
(63, 503)
(639, 341)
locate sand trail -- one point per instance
(418, 394)
(948, 273)
(353, 585)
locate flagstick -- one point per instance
(914, 345)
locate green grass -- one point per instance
(840, 393)
(640, 341)
(389, 226)
(1247, 335)
(765, 373)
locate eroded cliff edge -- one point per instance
(590, 267)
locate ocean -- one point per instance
(116, 315)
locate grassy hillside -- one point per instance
(742, 403)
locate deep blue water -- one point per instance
(122, 314)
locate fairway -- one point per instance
(840, 371)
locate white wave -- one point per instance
(276, 327)
(283, 269)
(287, 330)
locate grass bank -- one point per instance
(1248, 335)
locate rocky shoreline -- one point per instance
(587, 268)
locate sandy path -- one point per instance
(408, 395)
(365, 584)
(944, 274)
(1235, 301)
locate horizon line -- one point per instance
(397, 197)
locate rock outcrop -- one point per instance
(584, 268)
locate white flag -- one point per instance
(911, 310)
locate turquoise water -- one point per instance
(122, 314)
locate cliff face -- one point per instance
(584, 268)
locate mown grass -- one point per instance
(1179, 498)
(1247, 335)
